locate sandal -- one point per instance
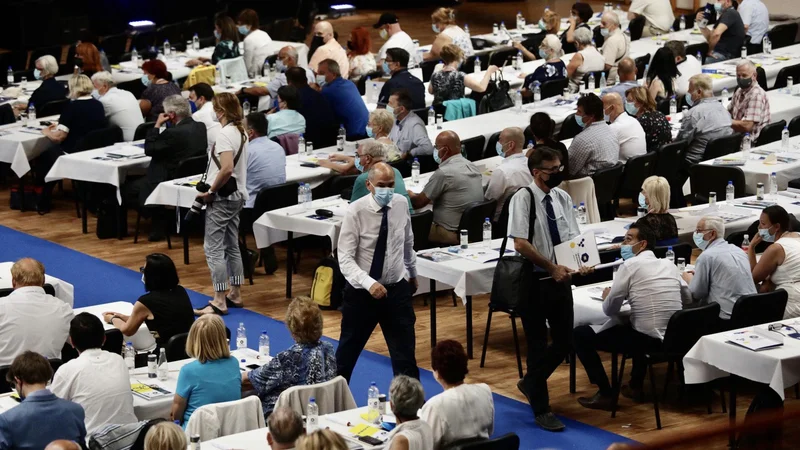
(213, 308)
(232, 304)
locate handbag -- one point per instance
(230, 186)
(514, 278)
(496, 97)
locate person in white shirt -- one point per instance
(376, 249)
(285, 425)
(463, 410)
(411, 433)
(395, 37)
(629, 131)
(688, 66)
(122, 108)
(658, 14)
(202, 95)
(755, 17)
(29, 318)
(616, 45)
(654, 290)
(331, 49)
(512, 173)
(256, 42)
(97, 380)
(287, 58)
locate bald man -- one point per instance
(62, 444)
(626, 70)
(30, 319)
(285, 426)
(455, 185)
(616, 45)
(287, 58)
(629, 131)
(512, 173)
(330, 49)
(750, 106)
(376, 248)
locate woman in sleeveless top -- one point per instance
(444, 25)
(779, 266)
(449, 83)
(411, 432)
(662, 74)
(588, 59)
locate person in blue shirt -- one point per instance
(214, 376)
(396, 63)
(368, 154)
(266, 159)
(348, 107)
(285, 119)
(321, 125)
(41, 417)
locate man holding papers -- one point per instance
(654, 290)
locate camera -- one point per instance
(197, 205)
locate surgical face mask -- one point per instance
(370, 133)
(631, 109)
(384, 34)
(383, 195)
(554, 179)
(321, 80)
(214, 117)
(689, 100)
(145, 80)
(744, 83)
(499, 147)
(542, 54)
(243, 29)
(436, 156)
(357, 162)
(718, 7)
(435, 28)
(606, 117)
(579, 121)
(390, 109)
(626, 251)
(542, 25)
(386, 68)
(699, 241)
(604, 32)
(37, 74)
(766, 236)
(642, 201)
(280, 66)
(217, 35)
(193, 106)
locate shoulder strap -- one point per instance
(235, 157)
(531, 221)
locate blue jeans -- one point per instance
(717, 57)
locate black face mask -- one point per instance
(79, 62)
(316, 42)
(554, 180)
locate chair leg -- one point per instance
(168, 232)
(485, 335)
(668, 378)
(710, 398)
(722, 399)
(619, 386)
(516, 344)
(572, 366)
(655, 397)
(138, 222)
(682, 385)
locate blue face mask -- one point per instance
(604, 32)
(631, 109)
(435, 28)
(766, 236)
(370, 133)
(579, 121)
(499, 147)
(243, 29)
(357, 162)
(626, 251)
(37, 74)
(390, 109)
(385, 68)
(542, 25)
(280, 67)
(542, 54)
(217, 35)
(689, 100)
(436, 156)
(642, 201)
(698, 240)
(95, 95)
(718, 7)
(321, 80)
(145, 80)
(193, 106)
(383, 195)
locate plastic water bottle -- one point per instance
(130, 356)
(163, 366)
(744, 52)
(712, 199)
(301, 145)
(582, 214)
(195, 42)
(31, 114)
(466, 29)
(773, 186)
(644, 77)
(670, 256)
(134, 56)
(519, 14)
(246, 107)
(308, 196)
(167, 48)
(495, 29)
(312, 416)
(301, 194)
(503, 29)
(700, 57)
(746, 142)
(518, 61)
(785, 145)
(263, 344)
(746, 243)
(592, 85)
(789, 85)
(431, 117)
(518, 101)
(10, 77)
(265, 70)
(682, 23)
(487, 233)
(725, 96)
(616, 269)
(373, 404)
(340, 138)
(603, 81)
(729, 192)
(537, 92)
(673, 106)
(766, 44)
(477, 66)
(241, 337)
(415, 171)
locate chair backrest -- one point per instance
(569, 128)
(687, 326)
(51, 108)
(427, 69)
(426, 163)
(421, 226)
(771, 133)
(191, 166)
(343, 185)
(582, 190)
(500, 57)
(135, 87)
(784, 74)
(275, 197)
(756, 309)
(794, 126)
(143, 40)
(722, 146)
(508, 441)
(114, 45)
(682, 250)
(669, 159)
(176, 347)
(473, 147)
(489, 150)
(706, 178)
(783, 35)
(103, 137)
(331, 396)
(688, 22)
(636, 27)
(605, 185)
(141, 130)
(233, 68)
(636, 170)
(554, 88)
(663, 106)
(473, 217)
(641, 65)
(223, 419)
(114, 341)
(694, 49)
(362, 82)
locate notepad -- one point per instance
(149, 392)
(755, 339)
(364, 429)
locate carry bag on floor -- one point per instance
(327, 285)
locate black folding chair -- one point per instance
(141, 131)
(427, 69)
(694, 49)
(51, 108)
(605, 188)
(569, 128)
(176, 347)
(500, 57)
(554, 88)
(421, 226)
(636, 27)
(794, 126)
(756, 309)
(489, 150)
(721, 146)
(473, 217)
(705, 178)
(343, 185)
(783, 35)
(770, 133)
(641, 65)
(473, 148)
(784, 74)
(637, 169)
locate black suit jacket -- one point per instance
(175, 144)
(403, 79)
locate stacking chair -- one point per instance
(51, 108)
(473, 148)
(637, 169)
(694, 49)
(794, 126)
(757, 309)
(682, 250)
(427, 69)
(343, 185)
(500, 57)
(707, 178)
(641, 65)
(783, 35)
(554, 88)
(722, 146)
(362, 82)
(421, 226)
(473, 217)
(636, 27)
(784, 74)
(331, 397)
(668, 164)
(271, 198)
(141, 131)
(597, 75)
(605, 185)
(221, 419)
(468, 65)
(569, 129)
(489, 151)
(176, 347)
(771, 132)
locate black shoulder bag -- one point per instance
(513, 276)
(496, 97)
(230, 186)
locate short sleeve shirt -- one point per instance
(229, 139)
(731, 41)
(455, 185)
(210, 382)
(753, 105)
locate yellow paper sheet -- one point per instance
(364, 429)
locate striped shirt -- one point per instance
(594, 148)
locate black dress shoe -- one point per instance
(598, 401)
(634, 394)
(521, 387)
(549, 422)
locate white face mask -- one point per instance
(215, 118)
(143, 279)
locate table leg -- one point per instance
(469, 326)
(185, 234)
(572, 372)
(21, 194)
(432, 304)
(85, 199)
(289, 263)
(732, 413)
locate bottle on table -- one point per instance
(263, 344)
(519, 14)
(712, 199)
(130, 356)
(265, 70)
(744, 52)
(673, 106)
(785, 145)
(518, 101)
(309, 147)
(415, 171)
(373, 404)
(246, 107)
(682, 23)
(195, 42)
(10, 77)
(759, 191)
(729, 191)
(746, 144)
(592, 84)
(603, 81)
(518, 61)
(152, 366)
(565, 93)
(529, 147)
(582, 220)
(194, 442)
(463, 239)
(167, 48)
(340, 138)
(477, 66)
(241, 337)
(466, 29)
(312, 416)
(766, 44)
(487, 233)
(495, 29)
(681, 265)
(789, 85)
(31, 114)
(163, 365)
(134, 56)
(431, 117)
(309, 197)
(746, 243)
(700, 57)
(670, 255)
(301, 145)
(773, 185)
(537, 92)
(684, 111)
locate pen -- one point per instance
(338, 422)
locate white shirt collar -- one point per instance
(37, 289)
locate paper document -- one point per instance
(755, 338)
(125, 151)
(148, 392)
(578, 252)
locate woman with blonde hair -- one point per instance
(639, 103)
(654, 198)
(227, 180)
(165, 436)
(449, 83)
(320, 440)
(309, 361)
(447, 32)
(214, 375)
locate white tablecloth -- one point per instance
(64, 290)
(142, 340)
(19, 145)
(772, 64)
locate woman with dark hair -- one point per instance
(541, 127)
(779, 266)
(157, 88)
(87, 58)
(227, 43)
(662, 74)
(286, 119)
(640, 104)
(165, 309)
(580, 15)
(463, 410)
(361, 59)
(256, 41)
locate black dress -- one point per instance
(657, 131)
(172, 313)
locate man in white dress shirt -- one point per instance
(654, 290)
(395, 37)
(629, 131)
(688, 66)
(755, 17)
(97, 380)
(512, 173)
(29, 318)
(376, 249)
(202, 94)
(122, 108)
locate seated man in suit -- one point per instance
(184, 138)
(41, 417)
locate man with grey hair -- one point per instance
(285, 426)
(707, 119)
(46, 69)
(121, 107)
(369, 153)
(722, 272)
(411, 432)
(750, 106)
(616, 45)
(181, 138)
(512, 173)
(342, 94)
(287, 58)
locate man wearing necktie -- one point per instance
(376, 249)
(551, 298)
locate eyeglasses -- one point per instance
(551, 170)
(703, 231)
